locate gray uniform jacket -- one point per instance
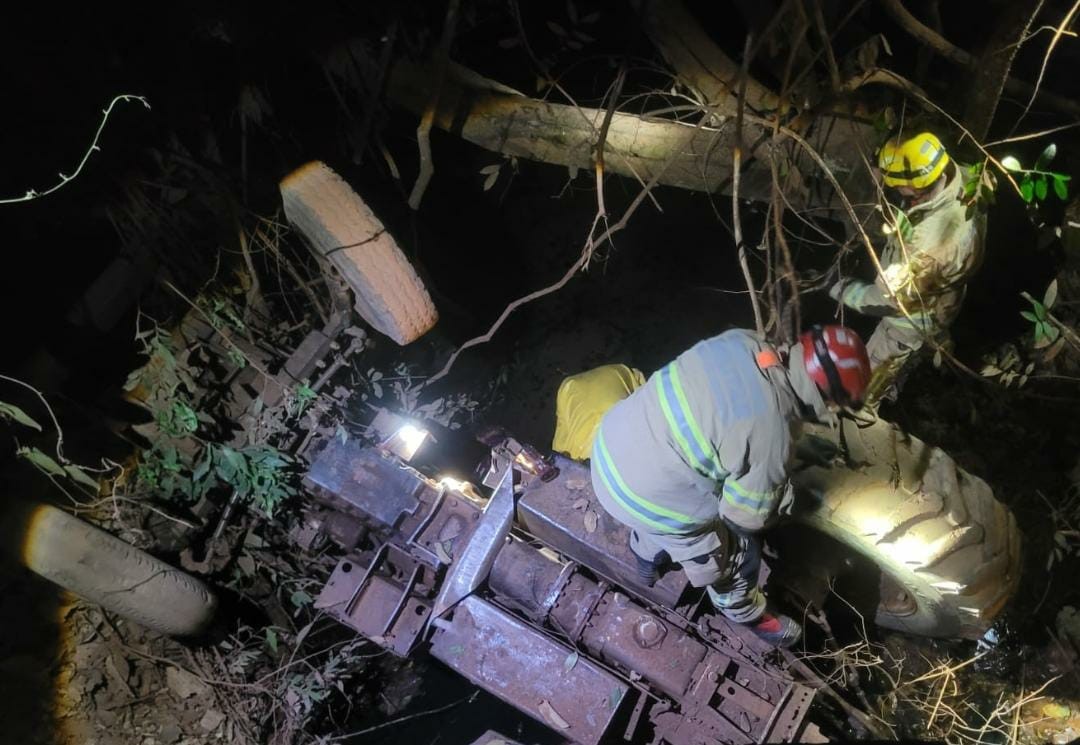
(708, 437)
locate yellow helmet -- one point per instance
(915, 162)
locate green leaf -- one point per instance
(1051, 295)
(1009, 163)
(271, 639)
(42, 462)
(1042, 335)
(1040, 188)
(300, 599)
(1030, 316)
(77, 474)
(13, 412)
(1060, 188)
(1027, 189)
(1045, 157)
(1040, 310)
(305, 394)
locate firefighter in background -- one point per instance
(935, 245)
(695, 461)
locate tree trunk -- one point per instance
(489, 115)
(697, 157)
(991, 71)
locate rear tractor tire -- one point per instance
(947, 551)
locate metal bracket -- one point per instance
(472, 567)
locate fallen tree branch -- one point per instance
(496, 118)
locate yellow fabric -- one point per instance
(916, 162)
(582, 401)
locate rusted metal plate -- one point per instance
(530, 671)
(786, 724)
(623, 632)
(355, 478)
(548, 511)
(379, 602)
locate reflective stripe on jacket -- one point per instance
(707, 436)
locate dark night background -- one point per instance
(670, 279)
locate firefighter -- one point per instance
(695, 461)
(935, 243)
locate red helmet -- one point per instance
(835, 358)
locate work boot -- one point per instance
(777, 629)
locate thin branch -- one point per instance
(52, 415)
(1058, 32)
(1033, 135)
(823, 32)
(31, 194)
(615, 92)
(586, 254)
(423, 131)
(736, 167)
(953, 53)
(1066, 330)
(468, 699)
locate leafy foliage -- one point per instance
(257, 474)
(1035, 183)
(1007, 367)
(185, 462)
(1046, 332)
(980, 185)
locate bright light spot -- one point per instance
(874, 525)
(911, 550)
(406, 441)
(948, 587)
(464, 488)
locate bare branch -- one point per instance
(586, 253)
(736, 167)
(1058, 32)
(951, 52)
(64, 179)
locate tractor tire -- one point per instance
(948, 552)
(105, 570)
(343, 230)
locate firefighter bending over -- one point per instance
(934, 247)
(695, 461)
